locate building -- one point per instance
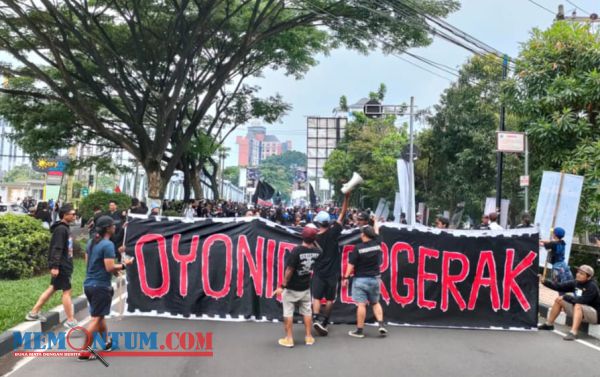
(257, 146)
(10, 153)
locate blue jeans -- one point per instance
(366, 290)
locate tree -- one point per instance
(21, 173)
(369, 147)
(279, 171)
(556, 91)
(232, 174)
(458, 162)
(144, 75)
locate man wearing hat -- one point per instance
(327, 267)
(556, 247)
(583, 304)
(295, 286)
(362, 219)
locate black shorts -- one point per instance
(100, 299)
(323, 288)
(62, 282)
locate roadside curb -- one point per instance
(55, 317)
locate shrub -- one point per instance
(23, 246)
(86, 207)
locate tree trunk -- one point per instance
(195, 181)
(214, 185)
(157, 182)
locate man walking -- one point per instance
(60, 262)
(364, 262)
(295, 286)
(327, 266)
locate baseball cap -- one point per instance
(587, 269)
(322, 217)
(363, 216)
(104, 222)
(559, 232)
(309, 234)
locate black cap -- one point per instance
(104, 222)
(362, 216)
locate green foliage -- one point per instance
(23, 246)
(21, 173)
(556, 91)
(86, 206)
(458, 162)
(279, 170)
(370, 147)
(232, 174)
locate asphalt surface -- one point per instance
(250, 349)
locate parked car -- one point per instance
(13, 208)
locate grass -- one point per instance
(19, 296)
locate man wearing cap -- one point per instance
(583, 304)
(362, 219)
(295, 286)
(556, 247)
(327, 267)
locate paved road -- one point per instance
(250, 349)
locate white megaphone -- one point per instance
(352, 183)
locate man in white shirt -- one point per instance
(494, 222)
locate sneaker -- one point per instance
(320, 328)
(35, 317)
(72, 324)
(309, 340)
(108, 346)
(570, 336)
(546, 326)
(383, 331)
(356, 334)
(86, 356)
(286, 342)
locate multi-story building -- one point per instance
(10, 153)
(257, 146)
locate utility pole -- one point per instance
(411, 163)
(500, 155)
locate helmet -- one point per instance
(559, 232)
(322, 218)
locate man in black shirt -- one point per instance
(296, 284)
(583, 305)
(327, 267)
(364, 262)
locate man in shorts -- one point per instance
(583, 304)
(327, 267)
(60, 262)
(295, 287)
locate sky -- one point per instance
(502, 24)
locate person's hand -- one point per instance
(347, 195)
(54, 272)
(128, 261)
(344, 282)
(121, 249)
(278, 291)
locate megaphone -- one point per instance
(352, 183)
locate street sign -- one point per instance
(524, 181)
(510, 142)
(85, 192)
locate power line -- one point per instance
(578, 7)
(543, 7)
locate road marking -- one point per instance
(21, 363)
(585, 343)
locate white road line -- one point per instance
(581, 341)
(21, 363)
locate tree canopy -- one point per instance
(279, 171)
(144, 75)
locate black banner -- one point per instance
(433, 278)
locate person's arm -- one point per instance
(109, 260)
(342, 215)
(57, 245)
(587, 297)
(349, 272)
(567, 286)
(289, 271)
